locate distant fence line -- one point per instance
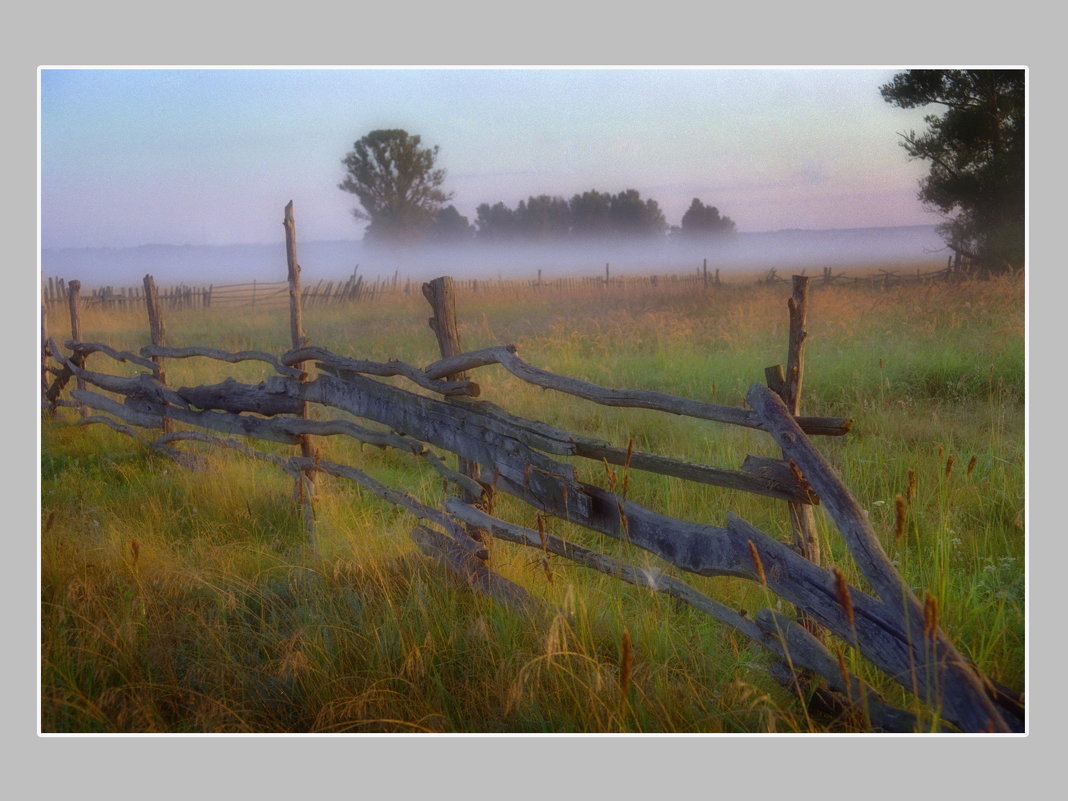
(253, 294)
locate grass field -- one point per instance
(186, 601)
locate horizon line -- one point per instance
(360, 241)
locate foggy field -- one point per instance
(901, 248)
(187, 601)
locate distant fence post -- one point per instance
(442, 299)
(306, 480)
(158, 334)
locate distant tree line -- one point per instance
(399, 189)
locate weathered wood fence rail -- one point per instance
(502, 452)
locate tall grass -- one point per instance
(179, 601)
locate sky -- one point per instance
(130, 157)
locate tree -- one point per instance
(496, 222)
(397, 185)
(591, 214)
(632, 216)
(976, 151)
(451, 226)
(702, 220)
(543, 217)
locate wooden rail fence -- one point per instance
(502, 452)
(253, 294)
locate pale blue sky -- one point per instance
(211, 156)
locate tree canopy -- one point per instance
(451, 226)
(976, 151)
(589, 215)
(702, 220)
(397, 184)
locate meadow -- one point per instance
(188, 601)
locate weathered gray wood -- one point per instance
(306, 482)
(782, 637)
(221, 355)
(143, 388)
(441, 296)
(951, 682)
(62, 376)
(802, 519)
(340, 365)
(847, 513)
(296, 318)
(803, 650)
(84, 349)
(544, 437)
(155, 322)
(795, 360)
(233, 396)
(73, 302)
(44, 350)
(436, 422)
(475, 573)
(505, 355)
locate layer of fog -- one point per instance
(793, 250)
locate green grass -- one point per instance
(187, 601)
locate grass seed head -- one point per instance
(757, 563)
(930, 615)
(899, 519)
(844, 597)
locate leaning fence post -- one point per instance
(74, 289)
(158, 333)
(442, 299)
(306, 480)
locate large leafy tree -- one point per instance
(976, 151)
(397, 184)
